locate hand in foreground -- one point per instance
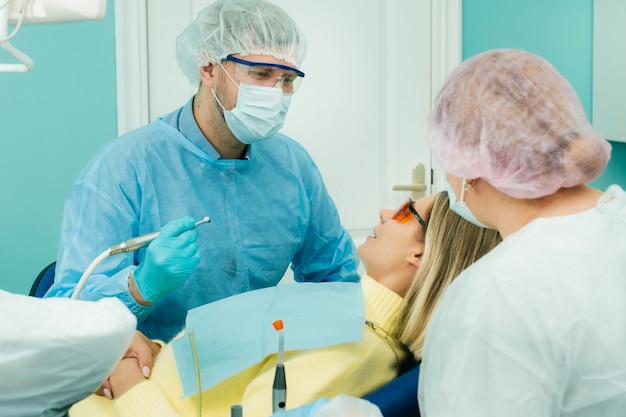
(142, 352)
(170, 260)
(125, 376)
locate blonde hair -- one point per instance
(451, 245)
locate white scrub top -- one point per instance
(56, 351)
(538, 326)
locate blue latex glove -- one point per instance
(170, 260)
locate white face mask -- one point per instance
(259, 113)
(459, 207)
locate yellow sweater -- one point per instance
(350, 368)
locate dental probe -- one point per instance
(143, 240)
(126, 246)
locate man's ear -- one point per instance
(207, 74)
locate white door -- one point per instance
(371, 69)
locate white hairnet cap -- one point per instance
(246, 27)
(507, 116)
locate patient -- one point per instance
(395, 258)
(452, 245)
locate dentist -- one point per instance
(220, 155)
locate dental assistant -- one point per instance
(538, 326)
(55, 352)
(219, 155)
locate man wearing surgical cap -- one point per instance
(220, 155)
(538, 326)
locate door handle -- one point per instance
(418, 181)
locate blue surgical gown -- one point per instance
(267, 211)
(537, 327)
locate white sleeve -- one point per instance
(344, 405)
(56, 351)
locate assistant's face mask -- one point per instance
(259, 113)
(459, 207)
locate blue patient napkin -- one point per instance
(234, 333)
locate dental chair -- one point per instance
(398, 398)
(43, 281)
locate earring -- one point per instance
(467, 186)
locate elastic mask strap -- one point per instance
(217, 99)
(231, 78)
(213, 91)
(462, 191)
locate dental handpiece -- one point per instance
(143, 240)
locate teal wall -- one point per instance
(52, 120)
(560, 31)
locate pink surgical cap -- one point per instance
(507, 116)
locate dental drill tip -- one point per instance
(206, 219)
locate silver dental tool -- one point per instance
(143, 240)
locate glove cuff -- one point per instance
(144, 295)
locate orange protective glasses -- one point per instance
(404, 212)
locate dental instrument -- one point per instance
(236, 411)
(129, 245)
(143, 241)
(279, 389)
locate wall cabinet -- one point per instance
(609, 69)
